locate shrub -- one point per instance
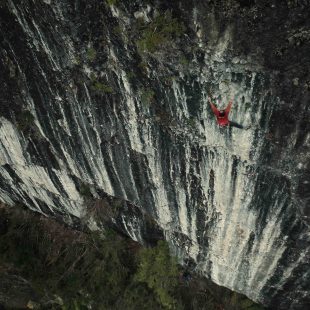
(117, 30)
(143, 66)
(147, 96)
(85, 191)
(130, 75)
(91, 54)
(101, 87)
(190, 122)
(25, 121)
(159, 32)
(184, 61)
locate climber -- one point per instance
(222, 116)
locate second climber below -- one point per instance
(222, 116)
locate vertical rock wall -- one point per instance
(83, 110)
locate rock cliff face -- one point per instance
(110, 99)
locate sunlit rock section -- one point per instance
(83, 112)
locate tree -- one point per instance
(160, 272)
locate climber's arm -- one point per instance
(227, 110)
(213, 107)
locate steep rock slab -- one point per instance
(89, 106)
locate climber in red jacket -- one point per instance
(222, 116)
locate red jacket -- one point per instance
(221, 120)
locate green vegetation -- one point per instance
(102, 87)
(169, 80)
(143, 66)
(77, 60)
(159, 271)
(130, 75)
(184, 61)
(190, 122)
(70, 269)
(25, 121)
(91, 54)
(99, 86)
(111, 2)
(85, 191)
(84, 269)
(159, 32)
(147, 96)
(117, 30)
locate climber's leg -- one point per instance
(233, 124)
